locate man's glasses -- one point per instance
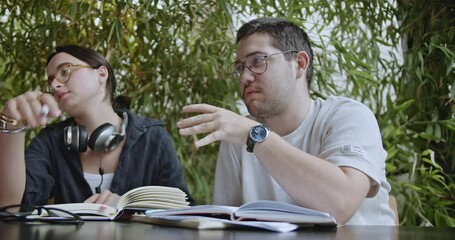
(256, 63)
(31, 213)
(64, 72)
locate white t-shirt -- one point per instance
(340, 130)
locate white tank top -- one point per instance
(94, 180)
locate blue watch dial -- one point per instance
(256, 134)
(259, 133)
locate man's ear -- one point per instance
(303, 61)
(103, 74)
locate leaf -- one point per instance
(429, 129)
(437, 131)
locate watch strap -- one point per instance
(250, 144)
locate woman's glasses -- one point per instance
(31, 213)
(63, 75)
(64, 72)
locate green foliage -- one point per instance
(427, 80)
(170, 53)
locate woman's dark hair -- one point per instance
(94, 59)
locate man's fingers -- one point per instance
(210, 138)
(195, 120)
(199, 128)
(199, 108)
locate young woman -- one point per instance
(97, 154)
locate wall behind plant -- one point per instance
(170, 53)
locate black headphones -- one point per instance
(104, 138)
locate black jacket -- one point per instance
(148, 158)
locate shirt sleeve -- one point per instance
(352, 139)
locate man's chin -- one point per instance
(255, 112)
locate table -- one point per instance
(126, 230)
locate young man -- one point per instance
(320, 154)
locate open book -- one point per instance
(136, 200)
(263, 214)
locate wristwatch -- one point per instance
(257, 134)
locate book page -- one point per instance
(88, 211)
(155, 204)
(215, 211)
(279, 211)
(159, 197)
(201, 222)
(280, 207)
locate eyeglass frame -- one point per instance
(51, 78)
(24, 216)
(265, 56)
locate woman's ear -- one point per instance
(103, 74)
(303, 61)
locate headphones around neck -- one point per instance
(104, 138)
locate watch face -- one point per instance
(258, 133)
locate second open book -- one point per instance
(135, 200)
(270, 215)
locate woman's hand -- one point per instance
(32, 108)
(105, 197)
